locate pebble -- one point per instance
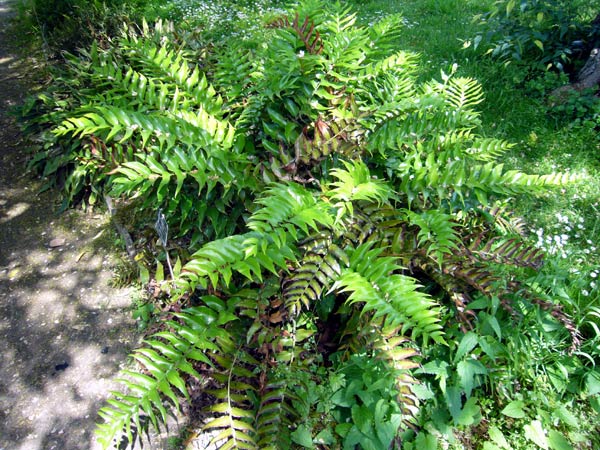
(57, 242)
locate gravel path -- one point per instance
(63, 331)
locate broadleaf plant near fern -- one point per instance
(337, 216)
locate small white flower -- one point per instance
(585, 292)
(301, 54)
(594, 274)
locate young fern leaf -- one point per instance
(372, 280)
(306, 32)
(355, 184)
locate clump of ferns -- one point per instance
(334, 207)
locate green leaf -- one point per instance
(363, 418)
(325, 437)
(426, 441)
(467, 370)
(470, 413)
(535, 433)
(558, 442)
(302, 436)
(514, 409)
(566, 416)
(592, 383)
(467, 343)
(498, 437)
(490, 446)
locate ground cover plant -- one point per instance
(349, 268)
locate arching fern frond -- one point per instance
(248, 254)
(166, 359)
(113, 123)
(374, 281)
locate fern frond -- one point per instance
(488, 149)
(512, 251)
(338, 136)
(163, 61)
(318, 269)
(248, 254)
(373, 281)
(431, 178)
(114, 123)
(305, 29)
(436, 233)
(458, 92)
(291, 207)
(234, 423)
(272, 417)
(355, 184)
(385, 34)
(166, 358)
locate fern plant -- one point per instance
(336, 212)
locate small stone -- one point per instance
(57, 242)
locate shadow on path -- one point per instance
(64, 331)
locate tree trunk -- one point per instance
(587, 78)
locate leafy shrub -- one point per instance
(342, 224)
(549, 32)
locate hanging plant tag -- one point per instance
(162, 227)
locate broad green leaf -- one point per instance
(498, 437)
(566, 416)
(467, 343)
(558, 442)
(470, 413)
(302, 436)
(535, 433)
(325, 437)
(514, 409)
(426, 441)
(467, 370)
(592, 383)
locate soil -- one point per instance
(64, 331)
